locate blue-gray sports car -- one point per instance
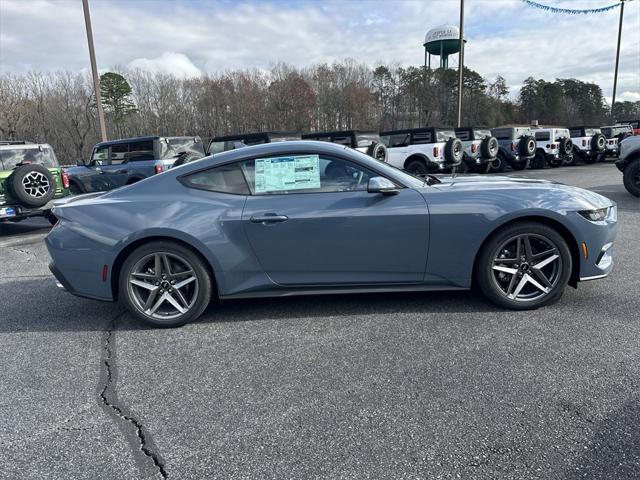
(301, 218)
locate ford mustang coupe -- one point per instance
(305, 217)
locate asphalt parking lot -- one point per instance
(440, 385)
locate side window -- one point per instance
(342, 140)
(304, 174)
(223, 179)
(119, 153)
(139, 151)
(463, 135)
(100, 156)
(421, 138)
(575, 132)
(543, 136)
(216, 147)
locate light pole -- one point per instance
(94, 70)
(615, 74)
(461, 63)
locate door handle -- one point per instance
(269, 218)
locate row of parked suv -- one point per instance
(31, 177)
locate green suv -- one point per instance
(30, 180)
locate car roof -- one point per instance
(415, 130)
(22, 145)
(142, 139)
(240, 136)
(339, 132)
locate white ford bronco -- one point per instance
(615, 134)
(553, 147)
(588, 144)
(480, 149)
(423, 150)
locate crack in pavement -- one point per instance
(109, 400)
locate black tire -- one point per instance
(483, 168)
(496, 289)
(498, 164)
(186, 158)
(527, 146)
(598, 143)
(573, 161)
(539, 161)
(417, 166)
(521, 165)
(378, 151)
(32, 185)
(453, 152)
(489, 147)
(565, 146)
(631, 178)
(200, 293)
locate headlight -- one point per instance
(595, 215)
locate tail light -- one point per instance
(514, 146)
(584, 142)
(436, 152)
(159, 168)
(474, 147)
(65, 179)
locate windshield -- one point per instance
(364, 140)
(444, 135)
(42, 156)
(172, 147)
(385, 168)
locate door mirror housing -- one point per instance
(382, 185)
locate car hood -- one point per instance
(523, 187)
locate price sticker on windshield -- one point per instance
(279, 174)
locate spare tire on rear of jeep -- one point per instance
(598, 142)
(453, 152)
(489, 147)
(32, 185)
(378, 151)
(527, 146)
(566, 146)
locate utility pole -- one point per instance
(615, 74)
(94, 70)
(461, 63)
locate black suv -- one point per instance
(122, 162)
(231, 142)
(365, 141)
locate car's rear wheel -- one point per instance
(165, 284)
(498, 164)
(538, 161)
(631, 178)
(417, 167)
(524, 266)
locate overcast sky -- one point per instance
(192, 38)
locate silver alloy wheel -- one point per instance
(36, 184)
(163, 285)
(527, 267)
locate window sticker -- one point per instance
(279, 174)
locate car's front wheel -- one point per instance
(631, 178)
(165, 284)
(524, 266)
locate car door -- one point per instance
(311, 221)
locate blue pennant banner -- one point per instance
(570, 11)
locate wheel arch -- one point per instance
(126, 251)
(566, 234)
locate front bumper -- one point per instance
(595, 242)
(9, 212)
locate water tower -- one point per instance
(441, 41)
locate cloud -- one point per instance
(505, 37)
(177, 64)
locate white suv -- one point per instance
(589, 144)
(615, 134)
(480, 149)
(553, 147)
(423, 150)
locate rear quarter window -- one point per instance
(222, 179)
(503, 133)
(42, 156)
(543, 136)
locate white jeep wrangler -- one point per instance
(480, 149)
(423, 150)
(553, 147)
(615, 134)
(589, 144)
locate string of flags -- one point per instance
(571, 11)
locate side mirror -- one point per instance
(382, 185)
